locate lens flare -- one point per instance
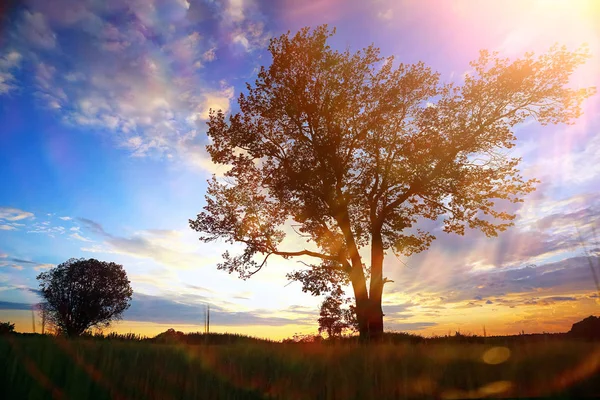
(496, 355)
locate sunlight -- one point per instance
(382, 155)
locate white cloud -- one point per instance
(41, 267)
(172, 248)
(234, 12)
(141, 80)
(11, 59)
(44, 75)
(47, 228)
(567, 165)
(245, 23)
(145, 93)
(9, 63)
(216, 100)
(241, 39)
(7, 228)
(79, 237)
(196, 154)
(186, 49)
(65, 218)
(36, 31)
(14, 214)
(210, 54)
(6, 84)
(386, 15)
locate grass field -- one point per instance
(41, 367)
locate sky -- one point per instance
(103, 108)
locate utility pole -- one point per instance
(33, 319)
(206, 323)
(207, 320)
(43, 311)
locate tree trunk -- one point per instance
(370, 319)
(368, 310)
(375, 313)
(368, 303)
(361, 297)
(374, 321)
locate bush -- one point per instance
(6, 327)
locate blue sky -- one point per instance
(103, 107)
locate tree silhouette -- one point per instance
(6, 327)
(80, 294)
(356, 149)
(333, 318)
(587, 328)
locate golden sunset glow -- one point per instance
(113, 163)
(299, 199)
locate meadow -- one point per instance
(233, 367)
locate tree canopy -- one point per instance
(355, 149)
(80, 294)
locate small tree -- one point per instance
(45, 323)
(80, 294)
(334, 319)
(6, 327)
(357, 149)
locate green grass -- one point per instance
(40, 367)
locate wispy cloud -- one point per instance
(544, 285)
(79, 237)
(163, 246)
(133, 70)
(43, 267)
(191, 309)
(46, 228)
(546, 231)
(9, 217)
(20, 264)
(386, 15)
(14, 214)
(33, 28)
(9, 63)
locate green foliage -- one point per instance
(80, 294)
(356, 148)
(36, 367)
(6, 327)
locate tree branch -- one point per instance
(307, 253)
(260, 266)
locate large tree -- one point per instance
(355, 149)
(80, 294)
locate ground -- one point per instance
(40, 367)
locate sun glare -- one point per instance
(299, 199)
